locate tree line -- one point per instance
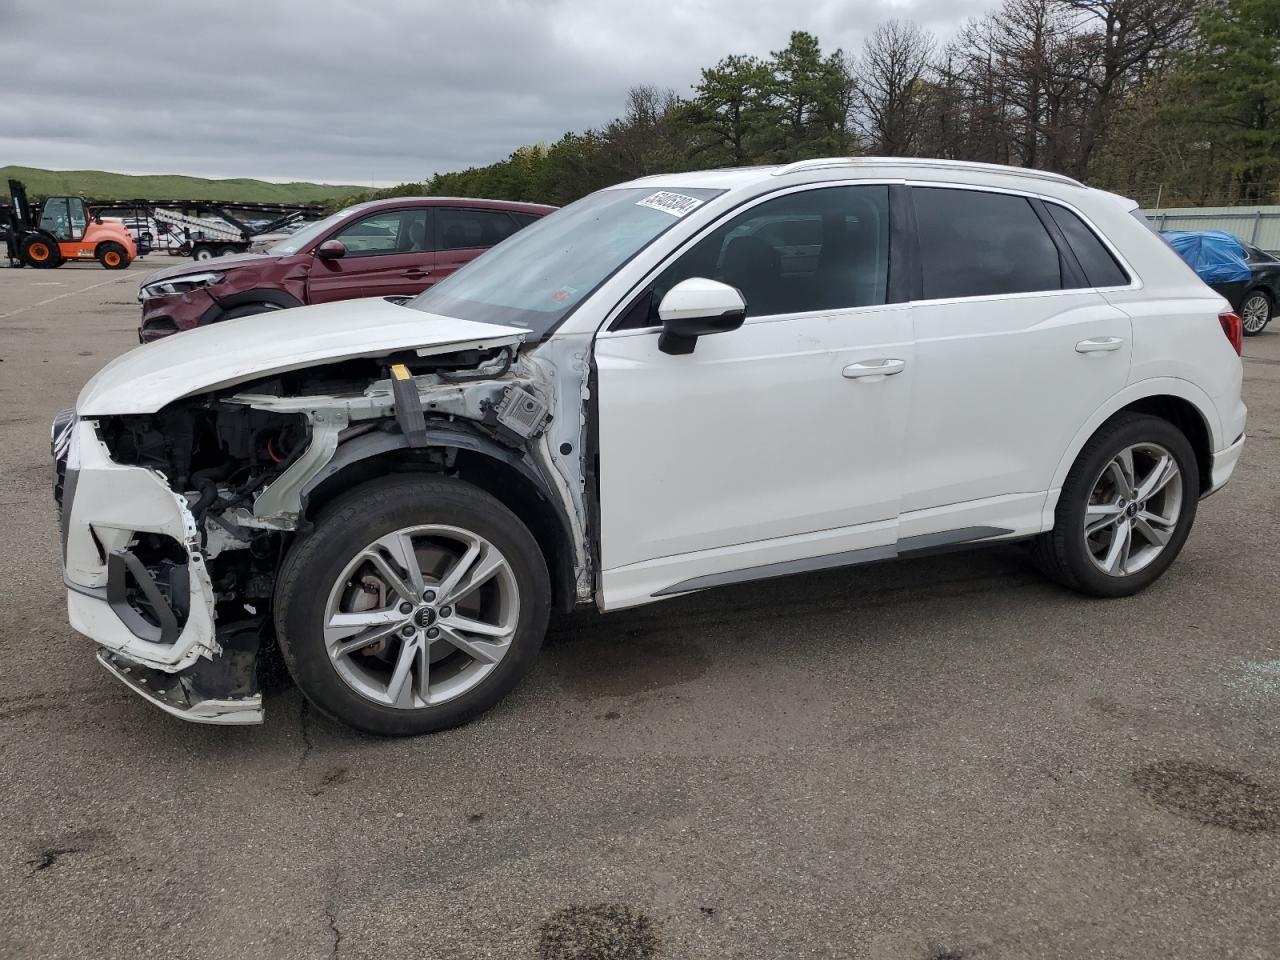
(1169, 101)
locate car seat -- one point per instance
(418, 235)
(755, 268)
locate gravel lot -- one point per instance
(947, 758)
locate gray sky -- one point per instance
(382, 90)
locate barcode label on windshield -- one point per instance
(676, 204)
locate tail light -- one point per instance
(1233, 327)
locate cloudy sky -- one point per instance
(376, 91)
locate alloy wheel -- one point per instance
(1133, 509)
(421, 616)
(1255, 313)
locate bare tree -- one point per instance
(890, 97)
(1128, 38)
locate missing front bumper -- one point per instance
(223, 690)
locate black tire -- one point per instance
(1061, 553)
(248, 310)
(1262, 302)
(344, 528)
(112, 255)
(202, 251)
(40, 250)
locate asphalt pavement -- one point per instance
(929, 760)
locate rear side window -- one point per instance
(468, 229)
(1100, 267)
(977, 244)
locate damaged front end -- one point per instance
(175, 523)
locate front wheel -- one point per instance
(1125, 510)
(249, 310)
(1255, 313)
(415, 605)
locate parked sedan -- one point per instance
(1258, 304)
(396, 247)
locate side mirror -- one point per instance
(331, 250)
(696, 307)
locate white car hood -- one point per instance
(234, 351)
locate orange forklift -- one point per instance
(62, 229)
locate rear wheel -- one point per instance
(415, 605)
(40, 250)
(202, 252)
(1255, 312)
(112, 255)
(1126, 508)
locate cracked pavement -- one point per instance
(918, 760)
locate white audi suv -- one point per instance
(676, 383)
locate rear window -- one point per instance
(1100, 267)
(978, 244)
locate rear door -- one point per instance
(463, 234)
(388, 254)
(1015, 349)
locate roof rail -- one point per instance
(824, 163)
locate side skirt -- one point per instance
(924, 544)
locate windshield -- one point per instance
(537, 277)
(292, 244)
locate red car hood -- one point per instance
(204, 266)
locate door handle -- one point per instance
(1100, 345)
(416, 274)
(884, 367)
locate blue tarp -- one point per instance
(1214, 254)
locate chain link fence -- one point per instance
(1161, 195)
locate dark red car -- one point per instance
(378, 249)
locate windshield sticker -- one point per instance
(676, 204)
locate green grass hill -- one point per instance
(100, 185)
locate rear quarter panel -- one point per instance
(1176, 333)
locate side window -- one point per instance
(1100, 267)
(821, 249)
(525, 219)
(977, 244)
(469, 229)
(386, 232)
(78, 218)
(55, 219)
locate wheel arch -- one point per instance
(264, 295)
(473, 458)
(1180, 402)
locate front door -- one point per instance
(388, 254)
(773, 448)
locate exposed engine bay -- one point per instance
(254, 463)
